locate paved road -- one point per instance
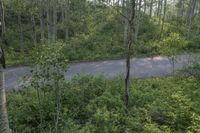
(140, 68)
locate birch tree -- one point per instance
(163, 18)
(190, 16)
(4, 125)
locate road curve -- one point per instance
(140, 68)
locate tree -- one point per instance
(50, 21)
(66, 17)
(151, 8)
(4, 125)
(42, 19)
(130, 16)
(180, 9)
(190, 16)
(164, 14)
(19, 19)
(34, 36)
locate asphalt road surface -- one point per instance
(140, 68)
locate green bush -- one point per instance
(95, 104)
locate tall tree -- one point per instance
(151, 8)
(55, 17)
(145, 5)
(138, 19)
(34, 37)
(20, 32)
(49, 20)
(180, 6)
(190, 16)
(131, 17)
(41, 5)
(66, 19)
(163, 18)
(4, 125)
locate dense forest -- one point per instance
(95, 29)
(49, 36)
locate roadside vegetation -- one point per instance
(48, 34)
(90, 104)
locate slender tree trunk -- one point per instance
(180, 9)
(54, 26)
(2, 22)
(4, 125)
(160, 11)
(42, 14)
(40, 110)
(127, 78)
(151, 8)
(58, 107)
(131, 29)
(21, 36)
(163, 19)
(49, 20)
(66, 17)
(126, 25)
(145, 6)
(190, 16)
(138, 20)
(34, 38)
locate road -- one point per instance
(140, 68)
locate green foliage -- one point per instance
(172, 44)
(95, 32)
(192, 70)
(48, 54)
(90, 104)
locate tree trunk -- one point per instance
(125, 22)
(4, 124)
(20, 33)
(145, 6)
(180, 9)
(160, 11)
(190, 16)
(33, 25)
(34, 37)
(58, 107)
(66, 17)
(163, 19)
(138, 19)
(49, 20)
(130, 33)
(42, 15)
(54, 26)
(151, 8)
